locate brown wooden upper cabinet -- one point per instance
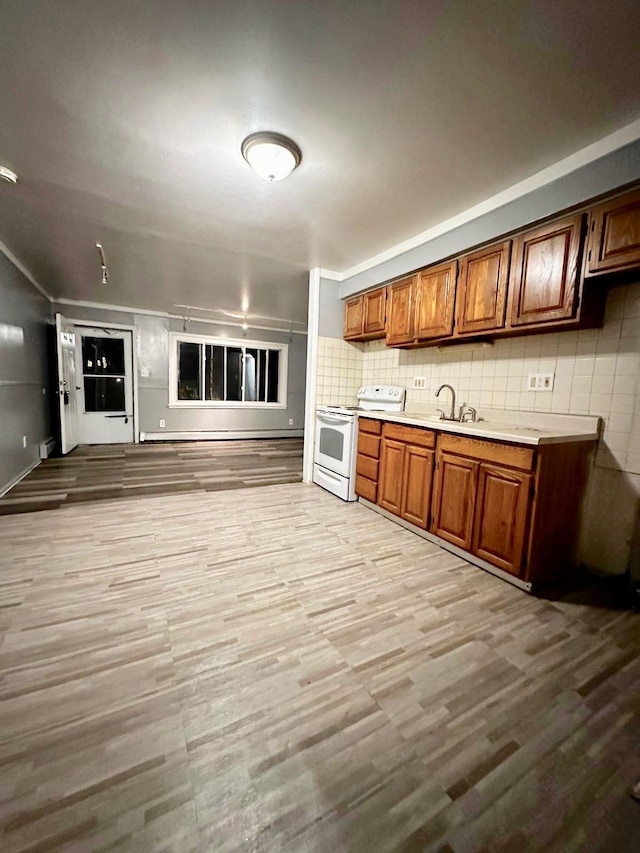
(435, 299)
(401, 309)
(545, 268)
(365, 315)
(614, 235)
(421, 306)
(482, 289)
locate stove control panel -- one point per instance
(384, 398)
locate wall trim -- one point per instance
(25, 272)
(331, 275)
(100, 306)
(219, 434)
(607, 145)
(21, 476)
(313, 326)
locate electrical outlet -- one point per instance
(162, 423)
(290, 421)
(420, 382)
(540, 381)
(24, 440)
(144, 372)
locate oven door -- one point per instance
(334, 442)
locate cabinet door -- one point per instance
(614, 235)
(454, 499)
(375, 304)
(482, 289)
(353, 317)
(391, 470)
(501, 516)
(400, 312)
(435, 298)
(544, 272)
(417, 478)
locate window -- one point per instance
(103, 374)
(211, 372)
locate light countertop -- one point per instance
(502, 425)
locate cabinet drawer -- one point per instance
(489, 451)
(367, 467)
(369, 445)
(366, 488)
(410, 434)
(370, 425)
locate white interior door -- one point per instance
(68, 384)
(105, 367)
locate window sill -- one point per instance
(225, 405)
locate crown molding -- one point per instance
(626, 135)
(25, 272)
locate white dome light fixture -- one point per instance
(271, 155)
(8, 175)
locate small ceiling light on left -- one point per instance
(103, 263)
(8, 175)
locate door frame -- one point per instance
(62, 325)
(120, 327)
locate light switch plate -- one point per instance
(420, 382)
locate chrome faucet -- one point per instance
(452, 414)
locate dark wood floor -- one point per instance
(108, 471)
(275, 671)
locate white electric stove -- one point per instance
(336, 437)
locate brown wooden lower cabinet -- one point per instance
(367, 460)
(515, 507)
(501, 516)
(454, 499)
(416, 494)
(406, 472)
(391, 474)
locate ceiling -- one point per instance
(124, 121)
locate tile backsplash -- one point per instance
(597, 372)
(339, 372)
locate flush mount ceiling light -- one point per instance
(8, 175)
(270, 155)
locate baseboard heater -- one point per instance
(219, 435)
(47, 447)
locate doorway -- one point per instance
(104, 368)
(68, 386)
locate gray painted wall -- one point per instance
(152, 348)
(24, 375)
(331, 310)
(615, 170)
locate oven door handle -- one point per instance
(334, 419)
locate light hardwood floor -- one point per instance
(272, 669)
